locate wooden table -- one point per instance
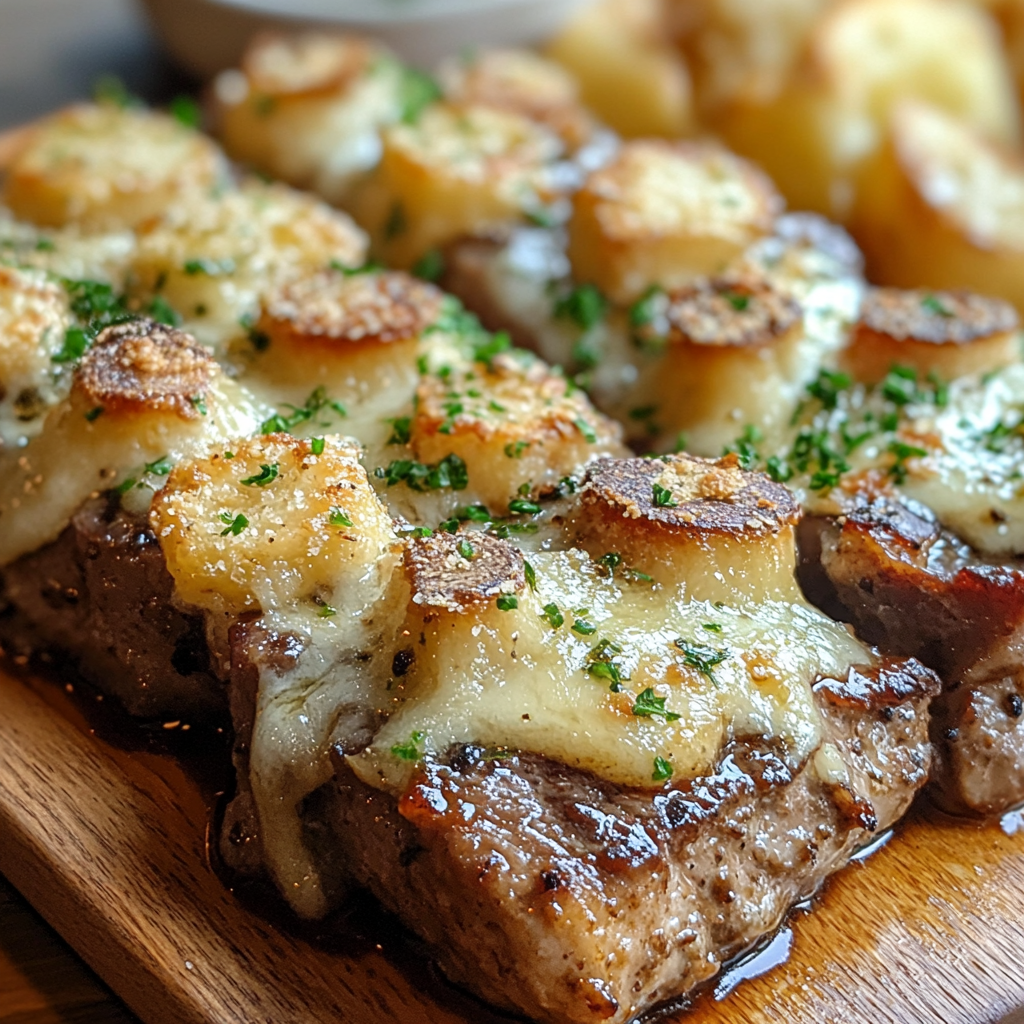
(41, 980)
(51, 51)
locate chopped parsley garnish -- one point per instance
(553, 615)
(737, 300)
(450, 472)
(662, 497)
(778, 469)
(583, 627)
(110, 90)
(160, 467)
(95, 306)
(644, 310)
(541, 216)
(326, 611)
(417, 531)
(234, 525)
(609, 563)
(126, 485)
(585, 306)
(827, 387)
(507, 602)
(703, 659)
(76, 341)
(318, 401)
(744, 446)
(416, 91)
(160, 310)
(520, 506)
(643, 412)
(898, 470)
(900, 386)
(465, 549)
(409, 751)
(711, 627)
(316, 445)
(186, 111)
(662, 770)
(530, 574)
(933, 304)
(209, 268)
(588, 432)
(648, 704)
(601, 663)
(339, 517)
(430, 266)
(266, 475)
(474, 513)
(515, 449)
(401, 430)
(94, 414)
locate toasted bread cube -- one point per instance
(665, 213)
(455, 171)
(358, 334)
(629, 73)
(741, 50)
(861, 60)
(718, 532)
(34, 314)
(215, 261)
(733, 355)
(143, 393)
(308, 108)
(512, 425)
(105, 167)
(940, 207)
(522, 82)
(272, 525)
(941, 334)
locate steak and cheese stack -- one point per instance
(566, 711)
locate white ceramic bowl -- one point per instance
(207, 36)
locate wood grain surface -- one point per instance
(109, 845)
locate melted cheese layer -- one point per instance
(508, 679)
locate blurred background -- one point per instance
(52, 51)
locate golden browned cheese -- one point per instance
(722, 533)
(861, 59)
(457, 170)
(518, 426)
(630, 74)
(938, 333)
(340, 311)
(307, 108)
(267, 523)
(106, 167)
(525, 83)
(942, 206)
(664, 213)
(143, 365)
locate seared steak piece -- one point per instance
(101, 593)
(571, 899)
(913, 590)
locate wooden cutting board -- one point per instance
(110, 846)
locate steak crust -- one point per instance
(101, 594)
(629, 898)
(914, 590)
(568, 898)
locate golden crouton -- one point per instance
(941, 334)
(269, 522)
(665, 213)
(106, 167)
(516, 427)
(941, 207)
(629, 72)
(308, 108)
(455, 171)
(863, 57)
